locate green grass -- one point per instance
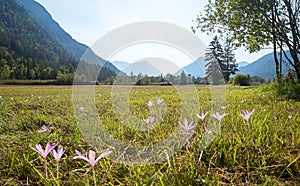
(267, 155)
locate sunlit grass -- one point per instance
(268, 154)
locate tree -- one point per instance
(257, 24)
(215, 61)
(230, 67)
(183, 78)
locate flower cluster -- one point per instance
(57, 154)
(151, 119)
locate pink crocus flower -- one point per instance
(246, 114)
(91, 160)
(218, 116)
(187, 128)
(45, 128)
(149, 120)
(202, 116)
(150, 103)
(159, 101)
(58, 154)
(44, 153)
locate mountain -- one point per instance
(242, 64)
(38, 13)
(265, 67)
(121, 65)
(143, 67)
(196, 69)
(26, 50)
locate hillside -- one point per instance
(143, 67)
(264, 67)
(44, 19)
(26, 50)
(196, 69)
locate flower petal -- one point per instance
(105, 153)
(49, 148)
(92, 157)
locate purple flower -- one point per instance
(45, 128)
(0, 97)
(44, 153)
(187, 128)
(246, 114)
(58, 154)
(149, 120)
(91, 160)
(202, 117)
(159, 101)
(150, 103)
(218, 116)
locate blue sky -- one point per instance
(87, 21)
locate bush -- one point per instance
(289, 90)
(257, 80)
(241, 79)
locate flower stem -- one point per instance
(148, 131)
(57, 170)
(248, 122)
(94, 176)
(45, 167)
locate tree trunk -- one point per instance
(278, 75)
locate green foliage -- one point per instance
(255, 25)
(26, 50)
(66, 78)
(289, 90)
(28, 53)
(241, 80)
(221, 62)
(257, 80)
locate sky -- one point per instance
(87, 21)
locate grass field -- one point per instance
(267, 153)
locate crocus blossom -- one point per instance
(44, 153)
(218, 116)
(159, 101)
(149, 120)
(150, 103)
(202, 116)
(246, 114)
(58, 154)
(45, 128)
(187, 128)
(91, 160)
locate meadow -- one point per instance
(266, 153)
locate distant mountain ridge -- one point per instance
(143, 67)
(242, 64)
(265, 67)
(121, 65)
(196, 69)
(45, 20)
